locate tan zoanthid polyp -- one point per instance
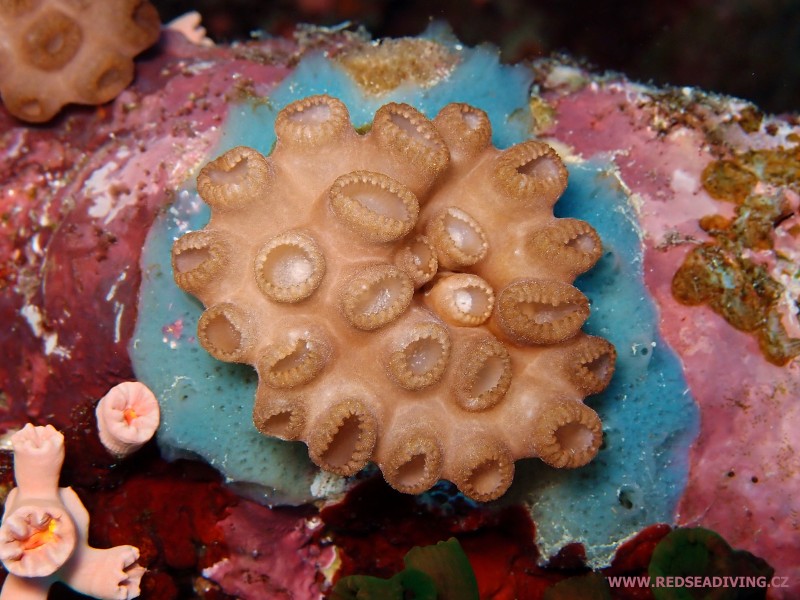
(404, 294)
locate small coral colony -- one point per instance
(57, 52)
(45, 528)
(407, 300)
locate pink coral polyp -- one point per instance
(405, 295)
(36, 540)
(127, 417)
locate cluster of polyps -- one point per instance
(45, 530)
(405, 295)
(53, 52)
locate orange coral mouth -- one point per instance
(129, 414)
(41, 537)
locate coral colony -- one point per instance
(56, 52)
(642, 460)
(407, 300)
(381, 260)
(44, 533)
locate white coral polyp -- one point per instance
(127, 418)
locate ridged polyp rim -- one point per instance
(237, 320)
(533, 325)
(411, 446)
(587, 351)
(407, 133)
(543, 187)
(567, 413)
(557, 243)
(314, 352)
(367, 223)
(486, 454)
(477, 356)
(239, 177)
(291, 127)
(204, 272)
(420, 271)
(328, 426)
(365, 281)
(399, 367)
(270, 404)
(465, 128)
(51, 41)
(450, 251)
(312, 258)
(454, 299)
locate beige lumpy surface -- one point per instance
(56, 52)
(405, 295)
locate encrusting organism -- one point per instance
(405, 295)
(56, 52)
(44, 532)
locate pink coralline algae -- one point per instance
(743, 480)
(127, 417)
(273, 554)
(44, 533)
(54, 52)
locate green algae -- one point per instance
(687, 554)
(439, 572)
